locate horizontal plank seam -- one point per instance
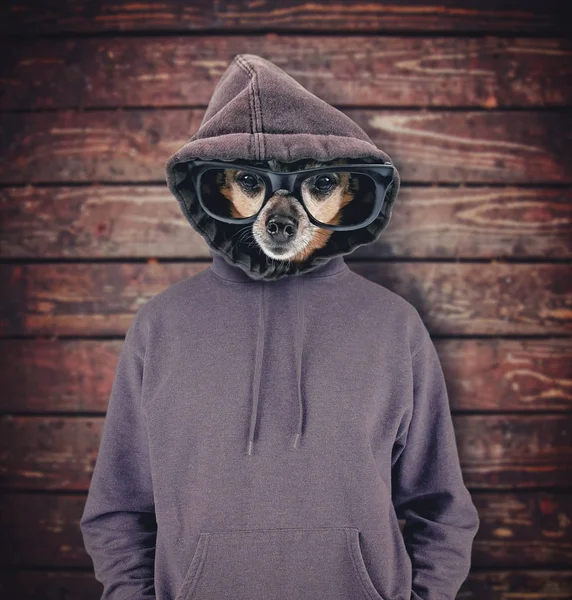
(544, 108)
(32, 261)
(549, 31)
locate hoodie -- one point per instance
(270, 422)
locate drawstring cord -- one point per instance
(257, 368)
(298, 343)
(258, 362)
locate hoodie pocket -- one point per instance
(282, 564)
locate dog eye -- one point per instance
(324, 183)
(248, 181)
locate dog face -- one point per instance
(282, 229)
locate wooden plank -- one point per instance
(46, 453)
(496, 451)
(452, 298)
(492, 585)
(42, 530)
(426, 146)
(61, 16)
(488, 72)
(524, 375)
(520, 585)
(54, 375)
(98, 221)
(515, 450)
(484, 222)
(488, 374)
(529, 529)
(97, 298)
(49, 585)
(474, 299)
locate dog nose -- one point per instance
(281, 227)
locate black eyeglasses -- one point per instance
(235, 192)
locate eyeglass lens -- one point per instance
(334, 198)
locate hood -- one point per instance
(258, 112)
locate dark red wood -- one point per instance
(427, 146)
(99, 221)
(488, 72)
(59, 16)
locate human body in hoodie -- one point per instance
(272, 419)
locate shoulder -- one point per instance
(392, 310)
(177, 294)
(166, 305)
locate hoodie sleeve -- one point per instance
(428, 491)
(118, 523)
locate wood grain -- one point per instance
(100, 221)
(507, 375)
(489, 72)
(529, 529)
(34, 16)
(453, 299)
(426, 146)
(523, 529)
(496, 451)
(490, 374)
(521, 585)
(50, 585)
(54, 375)
(42, 530)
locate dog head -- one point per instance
(282, 229)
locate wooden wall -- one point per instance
(472, 101)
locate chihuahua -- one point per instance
(282, 229)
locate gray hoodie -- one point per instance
(269, 422)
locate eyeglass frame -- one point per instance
(292, 181)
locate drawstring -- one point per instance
(298, 343)
(257, 367)
(258, 362)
